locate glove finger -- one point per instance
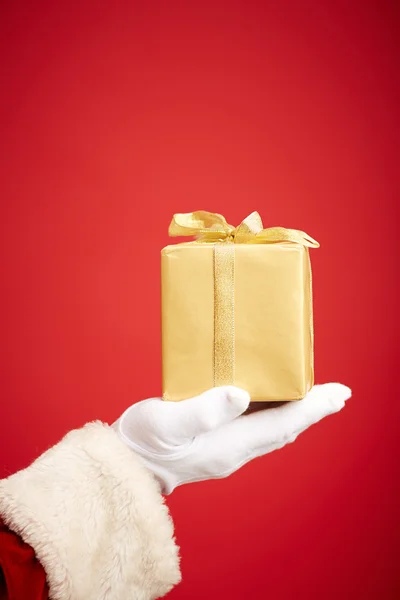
(203, 413)
(266, 430)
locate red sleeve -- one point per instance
(21, 574)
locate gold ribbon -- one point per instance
(212, 228)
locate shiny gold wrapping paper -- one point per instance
(272, 320)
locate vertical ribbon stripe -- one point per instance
(224, 314)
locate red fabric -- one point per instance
(22, 577)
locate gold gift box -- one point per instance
(236, 309)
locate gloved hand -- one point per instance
(208, 437)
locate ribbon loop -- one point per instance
(198, 223)
(212, 227)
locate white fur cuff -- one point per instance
(95, 518)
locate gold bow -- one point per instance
(212, 227)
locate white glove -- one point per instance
(208, 437)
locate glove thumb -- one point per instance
(205, 412)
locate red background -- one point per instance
(116, 115)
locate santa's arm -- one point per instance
(91, 507)
(90, 520)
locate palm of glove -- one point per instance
(209, 437)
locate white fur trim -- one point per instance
(95, 518)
